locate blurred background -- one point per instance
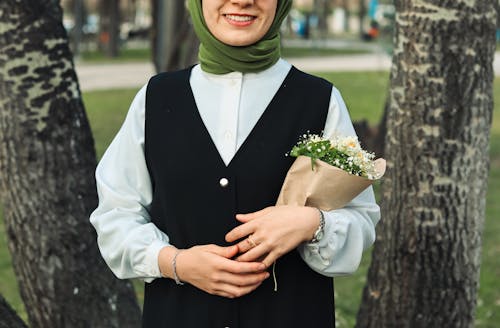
(126, 27)
(118, 44)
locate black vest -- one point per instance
(192, 208)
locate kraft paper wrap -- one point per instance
(326, 187)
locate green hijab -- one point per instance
(219, 58)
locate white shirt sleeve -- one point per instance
(351, 229)
(128, 241)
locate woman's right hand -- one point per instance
(211, 269)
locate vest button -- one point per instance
(223, 182)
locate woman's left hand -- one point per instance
(273, 231)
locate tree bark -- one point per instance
(109, 27)
(47, 163)
(8, 317)
(322, 10)
(79, 16)
(175, 44)
(425, 264)
(362, 16)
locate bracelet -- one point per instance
(320, 231)
(174, 268)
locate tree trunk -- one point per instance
(8, 317)
(77, 30)
(47, 162)
(322, 10)
(362, 15)
(109, 27)
(174, 42)
(345, 6)
(497, 8)
(425, 266)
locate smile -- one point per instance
(239, 18)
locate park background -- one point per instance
(341, 53)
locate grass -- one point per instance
(107, 109)
(488, 310)
(372, 86)
(8, 284)
(145, 55)
(293, 52)
(125, 55)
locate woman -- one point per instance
(201, 145)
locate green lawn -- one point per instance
(294, 52)
(125, 55)
(144, 54)
(364, 94)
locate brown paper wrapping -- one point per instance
(326, 187)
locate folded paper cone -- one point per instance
(326, 187)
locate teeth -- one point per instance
(240, 18)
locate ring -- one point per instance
(250, 241)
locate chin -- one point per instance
(236, 42)
(240, 44)
(237, 39)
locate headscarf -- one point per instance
(219, 58)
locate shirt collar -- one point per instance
(279, 68)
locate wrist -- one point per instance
(320, 227)
(174, 268)
(167, 262)
(312, 221)
(165, 258)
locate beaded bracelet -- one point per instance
(174, 268)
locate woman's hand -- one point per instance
(274, 231)
(211, 269)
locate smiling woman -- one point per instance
(237, 25)
(204, 239)
(241, 51)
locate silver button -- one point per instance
(223, 182)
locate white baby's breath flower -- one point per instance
(344, 152)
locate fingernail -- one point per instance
(267, 275)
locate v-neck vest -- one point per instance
(196, 197)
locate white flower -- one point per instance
(353, 159)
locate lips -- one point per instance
(239, 19)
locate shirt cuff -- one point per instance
(335, 234)
(151, 266)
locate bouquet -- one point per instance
(328, 173)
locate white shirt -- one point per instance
(230, 106)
